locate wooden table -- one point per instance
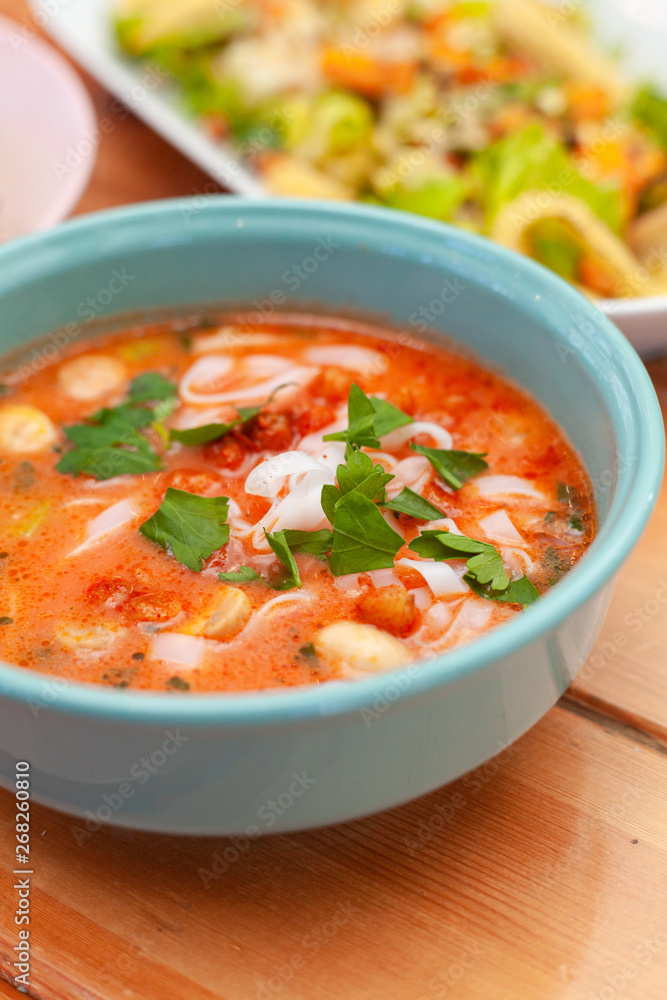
(545, 878)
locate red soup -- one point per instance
(248, 506)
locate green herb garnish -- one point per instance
(454, 467)
(191, 526)
(244, 574)
(211, 432)
(111, 444)
(280, 546)
(486, 573)
(369, 418)
(151, 387)
(316, 543)
(6, 620)
(409, 502)
(362, 539)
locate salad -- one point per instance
(499, 116)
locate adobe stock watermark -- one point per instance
(87, 310)
(74, 155)
(634, 621)
(424, 316)
(446, 812)
(446, 980)
(138, 774)
(267, 816)
(311, 943)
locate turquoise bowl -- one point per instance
(247, 764)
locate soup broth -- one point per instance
(386, 501)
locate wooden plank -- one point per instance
(541, 874)
(626, 676)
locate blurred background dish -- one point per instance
(487, 186)
(47, 134)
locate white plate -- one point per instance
(47, 133)
(638, 28)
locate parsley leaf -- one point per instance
(151, 387)
(211, 432)
(485, 564)
(280, 546)
(244, 574)
(455, 467)
(520, 591)
(317, 543)
(203, 434)
(362, 539)
(486, 574)
(409, 502)
(358, 475)
(111, 444)
(388, 417)
(361, 421)
(193, 527)
(369, 418)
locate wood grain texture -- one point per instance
(539, 875)
(626, 676)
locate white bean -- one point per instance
(91, 376)
(352, 648)
(24, 428)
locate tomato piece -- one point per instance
(314, 418)
(153, 607)
(193, 481)
(272, 431)
(227, 453)
(110, 591)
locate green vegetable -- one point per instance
(388, 417)
(6, 620)
(532, 160)
(150, 387)
(279, 544)
(484, 562)
(317, 543)
(244, 574)
(486, 574)
(435, 197)
(211, 432)
(454, 467)
(554, 245)
(334, 124)
(576, 523)
(362, 539)
(409, 502)
(192, 526)
(359, 475)
(520, 591)
(368, 419)
(650, 109)
(110, 443)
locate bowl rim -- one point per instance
(281, 707)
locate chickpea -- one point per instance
(357, 649)
(87, 638)
(390, 608)
(91, 376)
(25, 429)
(227, 615)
